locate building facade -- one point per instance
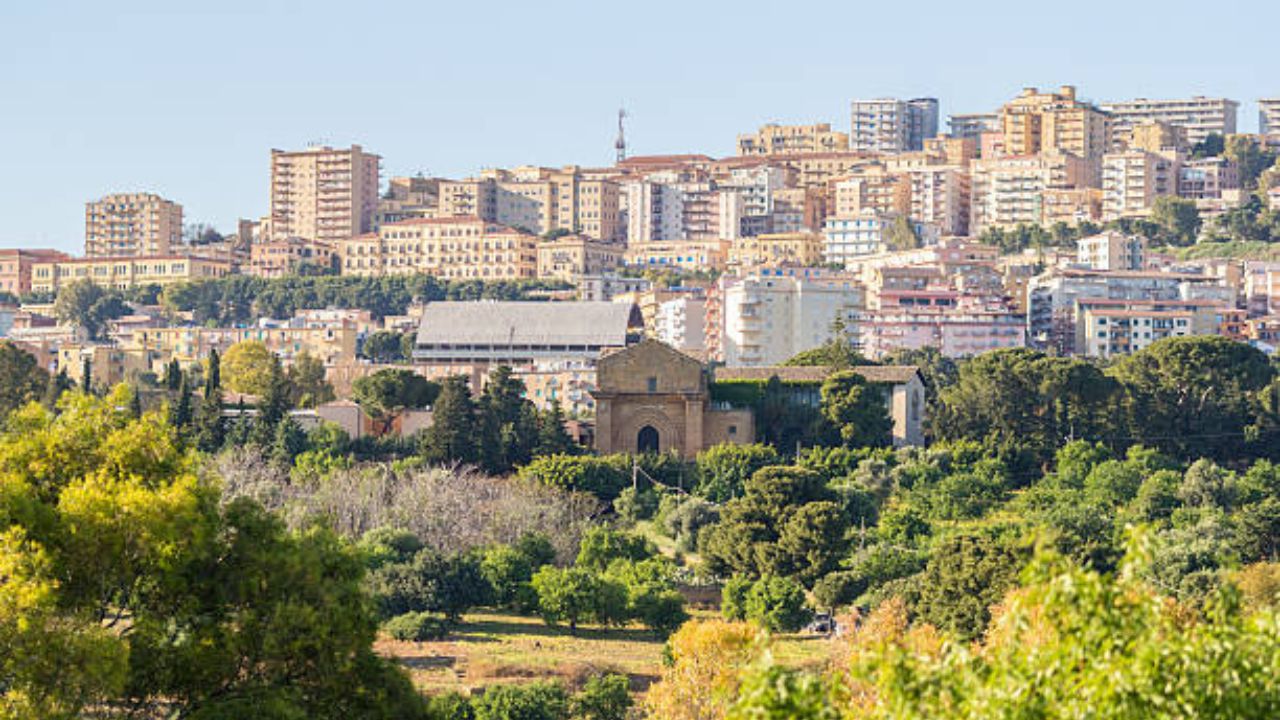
(769, 319)
(323, 194)
(1036, 122)
(131, 224)
(1198, 116)
(446, 247)
(16, 268)
(122, 273)
(786, 139)
(572, 256)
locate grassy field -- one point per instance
(491, 647)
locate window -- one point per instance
(653, 384)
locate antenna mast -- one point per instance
(621, 143)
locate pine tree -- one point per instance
(509, 423)
(273, 406)
(173, 375)
(180, 412)
(207, 427)
(213, 375)
(86, 374)
(553, 439)
(289, 442)
(452, 435)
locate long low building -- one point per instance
(521, 333)
(122, 273)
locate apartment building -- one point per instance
(322, 193)
(1118, 327)
(447, 247)
(539, 200)
(1198, 116)
(801, 249)
(332, 343)
(867, 233)
(774, 139)
(972, 126)
(680, 323)
(1112, 250)
(132, 224)
(572, 256)
(889, 125)
(1036, 122)
(1207, 178)
(289, 256)
(1010, 191)
(122, 273)
(408, 198)
(1132, 180)
(768, 319)
(680, 254)
(1269, 118)
(956, 324)
(655, 212)
(16, 268)
(1053, 298)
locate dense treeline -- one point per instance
(240, 298)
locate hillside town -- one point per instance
(1052, 222)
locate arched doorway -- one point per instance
(647, 440)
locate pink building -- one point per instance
(958, 325)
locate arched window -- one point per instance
(647, 440)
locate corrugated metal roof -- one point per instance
(525, 323)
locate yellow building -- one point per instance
(126, 272)
(1036, 122)
(540, 200)
(323, 193)
(452, 247)
(680, 254)
(572, 256)
(332, 343)
(774, 139)
(131, 224)
(794, 249)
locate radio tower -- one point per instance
(621, 143)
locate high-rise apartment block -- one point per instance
(1199, 116)
(323, 193)
(793, 139)
(1015, 190)
(888, 125)
(1269, 117)
(131, 224)
(1036, 122)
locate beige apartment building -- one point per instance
(1198, 116)
(323, 194)
(539, 200)
(1009, 191)
(1133, 179)
(16, 268)
(1154, 137)
(451, 247)
(126, 272)
(774, 139)
(287, 256)
(131, 224)
(1036, 122)
(331, 343)
(573, 256)
(797, 249)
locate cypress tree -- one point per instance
(452, 435)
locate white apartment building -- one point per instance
(847, 238)
(1118, 327)
(1199, 116)
(655, 212)
(679, 322)
(767, 320)
(1133, 179)
(1112, 250)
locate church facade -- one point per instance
(653, 398)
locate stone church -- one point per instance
(653, 398)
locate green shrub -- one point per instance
(416, 627)
(777, 604)
(535, 701)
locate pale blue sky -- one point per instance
(186, 99)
